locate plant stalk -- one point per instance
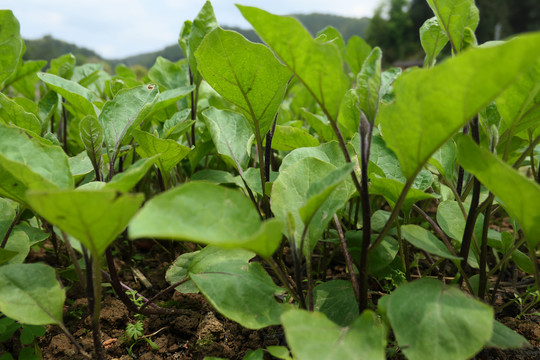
(482, 286)
(96, 331)
(11, 226)
(348, 259)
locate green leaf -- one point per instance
(240, 290)
(290, 193)
(391, 190)
(319, 66)
(179, 270)
(519, 105)
(203, 24)
(433, 104)
(311, 335)
(280, 352)
(7, 215)
(95, 218)
(124, 113)
(29, 164)
(320, 124)
(13, 113)
(30, 294)
(336, 300)
(434, 321)
(523, 262)
(63, 66)
(433, 40)
(126, 180)
(230, 133)
(80, 166)
(254, 355)
(177, 125)
(246, 74)
(519, 195)
(169, 75)
(444, 160)
(369, 85)
(506, 338)
(20, 243)
(454, 17)
(425, 240)
(169, 151)
(380, 257)
(287, 138)
(207, 213)
(11, 45)
(81, 98)
(91, 134)
(356, 52)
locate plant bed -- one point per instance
(289, 200)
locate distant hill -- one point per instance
(48, 48)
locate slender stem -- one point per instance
(437, 229)
(62, 129)
(268, 149)
(365, 142)
(471, 217)
(404, 252)
(74, 260)
(393, 214)
(482, 286)
(74, 341)
(162, 292)
(11, 226)
(115, 282)
(309, 271)
(194, 99)
(283, 279)
(96, 332)
(534, 260)
(506, 257)
(348, 259)
(343, 147)
(461, 171)
(260, 153)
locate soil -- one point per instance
(197, 330)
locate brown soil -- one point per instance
(198, 330)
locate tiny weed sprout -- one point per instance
(298, 187)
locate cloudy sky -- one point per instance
(119, 28)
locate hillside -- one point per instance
(48, 48)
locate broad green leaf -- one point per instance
(124, 113)
(433, 39)
(332, 35)
(20, 243)
(11, 112)
(174, 127)
(34, 234)
(523, 262)
(520, 196)
(169, 75)
(319, 66)
(7, 215)
(444, 160)
(380, 257)
(391, 190)
(336, 300)
(246, 74)
(169, 151)
(290, 193)
(169, 98)
(319, 192)
(356, 52)
(254, 355)
(425, 240)
(433, 104)
(230, 132)
(203, 24)
(320, 124)
(434, 321)
(207, 213)
(328, 152)
(80, 166)
(311, 335)
(77, 95)
(218, 177)
(63, 66)
(240, 290)
(280, 352)
(454, 17)
(29, 164)
(126, 180)
(31, 294)
(369, 85)
(349, 114)
(179, 271)
(95, 218)
(506, 338)
(287, 138)
(11, 45)
(24, 79)
(91, 134)
(6, 255)
(519, 105)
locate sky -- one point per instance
(120, 28)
